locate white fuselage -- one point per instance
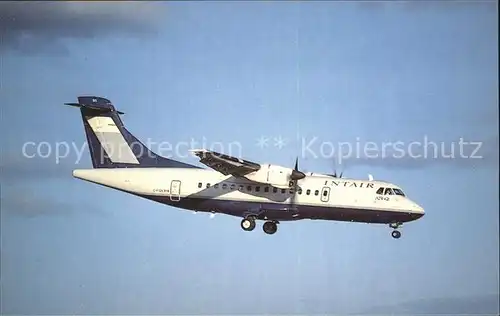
(316, 197)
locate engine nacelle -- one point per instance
(274, 175)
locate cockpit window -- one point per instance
(390, 191)
(399, 192)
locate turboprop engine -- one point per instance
(277, 176)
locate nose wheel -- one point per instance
(396, 234)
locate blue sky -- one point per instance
(235, 72)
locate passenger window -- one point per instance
(257, 189)
(266, 189)
(249, 188)
(325, 193)
(216, 185)
(275, 190)
(233, 186)
(241, 188)
(199, 184)
(299, 191)
(380, 191)
(291, 191)
(308, 192)
(316, 192)
(224, 186)
(208, 185)
(283, 191)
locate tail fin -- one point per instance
(111, 145)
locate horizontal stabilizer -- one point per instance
(95, 103)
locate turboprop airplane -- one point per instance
(232, 186)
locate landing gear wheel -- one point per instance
(270, 227)
(396, 234)
(248, 224)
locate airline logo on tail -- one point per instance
(112, 140)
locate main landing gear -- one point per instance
(269, 227)
(396, 234)
(248, 224)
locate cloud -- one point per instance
(18, 196)
(18, 173)
(25, 203)
(479, 305)
(16, 168)
(22, 201)
(26, 25)
(425, 5)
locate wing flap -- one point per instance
(225, 164)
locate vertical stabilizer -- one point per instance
(111, 145)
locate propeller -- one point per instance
(294, 177)
(335, 175)
(296, 174)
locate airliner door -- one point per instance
(325, 194)
(175, 190)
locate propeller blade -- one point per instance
(296, 174)
(294, 177)
(370, 177)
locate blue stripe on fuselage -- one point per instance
(285, 212)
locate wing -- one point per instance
(226, 164)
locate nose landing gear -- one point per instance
(396, 234)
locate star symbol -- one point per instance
(262, 142)
(279, 142)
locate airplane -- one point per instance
(233, 186)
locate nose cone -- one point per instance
(418, 209)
